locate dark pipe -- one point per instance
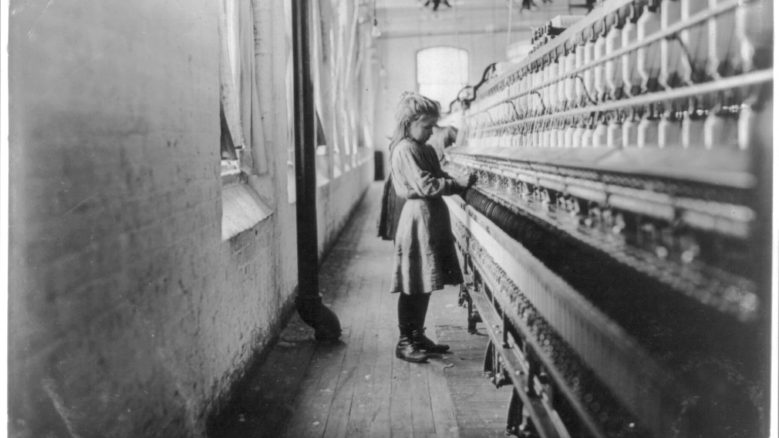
(762, 167)
(308, 300)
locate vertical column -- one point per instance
(308, 300)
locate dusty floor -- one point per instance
(357, 388)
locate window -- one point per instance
(441, 73)
(242, 148)
(290, 97)
(242, 142)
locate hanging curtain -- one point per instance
(229, 110)
(239, 89)
(250, 109)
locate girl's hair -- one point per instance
(412, 107)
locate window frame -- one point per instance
(246, 183)
(466, 70)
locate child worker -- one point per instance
(425, 258)
(442, 138)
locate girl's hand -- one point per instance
(472, 179)
(465, 181)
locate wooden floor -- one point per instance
(357, 388)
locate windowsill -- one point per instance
(322, 181)
(229, 178)
(242, 207)
(231, 171)
(291, 195)
(364, 155)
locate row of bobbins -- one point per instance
(586, 74)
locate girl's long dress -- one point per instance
(425, 257)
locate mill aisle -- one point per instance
(357, 388)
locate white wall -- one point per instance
(130, 315)
(397, 57)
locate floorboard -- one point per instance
(356, 387)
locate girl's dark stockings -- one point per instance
(412, 310)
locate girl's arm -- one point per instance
(462, 181)
(421, 182)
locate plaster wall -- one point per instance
(130, 315)
(397, 71)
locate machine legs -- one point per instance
(518, 423)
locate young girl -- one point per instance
(391, 203)
(425, 258)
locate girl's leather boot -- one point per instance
(426, 344)
(408, 351)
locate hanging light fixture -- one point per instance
(375, 31)
(436, 3)
(530, 5)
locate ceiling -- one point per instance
(409, 18)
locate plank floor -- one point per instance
(357, 388)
